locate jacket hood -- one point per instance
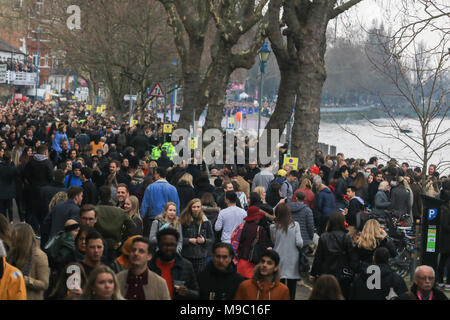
(326, 190)
(297, 206)
(360, 200)
(228, 271)
(39, 157)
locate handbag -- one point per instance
(303, 263)
(254, 255)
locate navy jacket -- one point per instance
(326, 203)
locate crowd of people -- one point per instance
(18, 66)
(106, 214)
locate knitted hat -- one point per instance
(253, 213)
(314, 170)
(76, 165)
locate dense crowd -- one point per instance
(106, 214)
(18, 66)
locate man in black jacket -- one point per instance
(366, 285)
(90, 193)
(176, 270)
(341, 187)
(38, 173)
(220, 280)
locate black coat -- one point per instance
(141, 144)
(47, 193)
(39, 173)
(444, 234)
(400, 200)
(365, 255)
(203, 187)
(164, 162)
(8, 174)
(330, 250)
(90, 193)
(219, 285)
(389, 279)
(186, 193)
(181, 271)
(412, 294)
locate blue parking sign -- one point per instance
(432, 213)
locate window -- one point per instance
(17, 4)
(46, 60)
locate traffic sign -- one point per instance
(129, 97)
(291, 161)
(157, 91)
(167, 128)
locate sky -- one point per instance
(389, 12)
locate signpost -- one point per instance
(430, 231)
(131, 98)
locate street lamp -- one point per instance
(38, 63)
(263, 54)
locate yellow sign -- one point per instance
(99, 110)
(194, 144)
(88, 107)
(293, 162)
(232, 120)
(133, 122)
(103, 106)
(167, 128)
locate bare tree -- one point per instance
(420, 77)
(122, 44)
(301, 57)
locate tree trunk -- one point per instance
(193, 94)
(311, 79)
(217, 79)
(286, 98)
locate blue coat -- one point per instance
(155, 198)
(326, 203)
(57, 141)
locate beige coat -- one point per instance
(37, 281)
(155, 289)
(244, 186)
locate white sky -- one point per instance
(388, 11)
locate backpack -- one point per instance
(52, 248)
(235, 238)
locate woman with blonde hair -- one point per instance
(197, 234)
(168, 219)
(57, 198)
(102, 284)
(185, 188)
(131, 206)
(306, 187)
(26, 255)
(371, 238)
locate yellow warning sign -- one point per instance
(167, 128)
(293, 162)
(88, 107)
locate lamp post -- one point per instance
(38, 63)
(263, 54)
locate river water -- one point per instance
(373, 135)
(334, 134)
